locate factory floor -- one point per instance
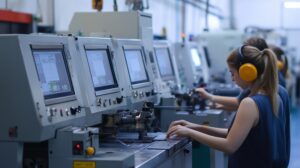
(295, 137)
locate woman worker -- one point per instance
(254, 138)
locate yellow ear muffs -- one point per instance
(248, 72)
(280, 65)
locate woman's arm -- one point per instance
(228, 102)
(246, 118)
(213, 131)
(219, 132)
(231, 103)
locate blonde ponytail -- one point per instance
(269, 81)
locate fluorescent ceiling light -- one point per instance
(292, 4)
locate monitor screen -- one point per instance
(101, 70)
(53, 73)
(195, 57)
(164, 62)
(136, 66)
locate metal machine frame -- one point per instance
(29, 115)
(102, 100)
(140, 92)
(189, 74)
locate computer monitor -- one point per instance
(136, 66)
(164, 62)
(53, 72)
(196, 57)
(100, 66)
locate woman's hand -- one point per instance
(178, 131)
(203, 93)
(216, 106)
(183, 123)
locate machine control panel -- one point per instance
(192, 64)
(43, 82)
(101, 82)
(138, 83)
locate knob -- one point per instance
(73, 110)
(61, 112)
(67, 112)
(78, 109)
(99, 102)
(90, 151)
(119, 99)
(48, 112)
(53, 111)
(136, 94)
(141, 94)
(104, 103)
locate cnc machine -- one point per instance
(192, 64)
(167, 67)
(101, 80)
(40, 93)
(142, 80)
(130, 54)
(47, 127)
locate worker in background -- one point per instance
(282, 64)
(254, 138)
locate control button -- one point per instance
(104, 103)
(135, 94)
(119, 99)
(73, 110)
(99, 102)
(67, 112)
(78, 109)
(53, 111)
(77, 148)
(48, 112)
(90, 151)
(61, 112)
(148, 94)
(109, 102)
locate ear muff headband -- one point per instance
(247, 71)
(280, 65)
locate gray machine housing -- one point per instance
(167, 82)
(219, 45)
(99, 102)
(136, 94)
(111, 24)
(189, 73)
(27, 115)
(61, 150)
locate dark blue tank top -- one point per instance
(265, 145)
(282, 92)
(281, 80)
